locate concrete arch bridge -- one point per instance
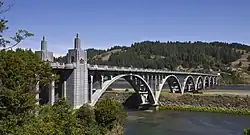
(77, 79)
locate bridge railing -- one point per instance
(57, 65)
(115, 68)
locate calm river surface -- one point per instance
(184, 123)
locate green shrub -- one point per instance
(86, 115)
(58, 119)
(233, 111)
(126, 90)
(247, 131)
(109, 112)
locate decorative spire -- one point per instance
(77, 43)
(43, 44)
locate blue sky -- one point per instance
(105, 23)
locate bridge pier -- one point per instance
(52, 93)
(102, 79)
(65, 89)
(148, 107)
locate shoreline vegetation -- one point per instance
(233, 111)
(235, 102)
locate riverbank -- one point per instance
(233, 111)
(219, 103)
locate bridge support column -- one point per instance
(37, 93)
(155, 86)
(91, 85)
(143, 98)
(101, 81)
(52, 93)
(204, 84)
(152, 82)
(209, 83)
(159, 82)
(214, 81)
(64, 89)
(136, 81)
(189, 87)
(199, 85)
(148, 81)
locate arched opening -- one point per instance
(140, 87)
(206, 82)
(189, 84)
(211, 82)
(173, 84)
(199, 83)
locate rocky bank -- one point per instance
(222, 101)
(198, 100)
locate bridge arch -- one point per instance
(206, 82)
(96, 96)
(211, 81)
(198, 79)
(185, 82)
(167, 79)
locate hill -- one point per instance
(185, 56)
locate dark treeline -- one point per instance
(170, 55)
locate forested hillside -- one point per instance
(170, 55)
(187, 56)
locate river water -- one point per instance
(184, 123)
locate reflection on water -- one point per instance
(184, 123)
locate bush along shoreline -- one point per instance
(233, 111)
(247, 131)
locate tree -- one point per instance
(12, 41)
(58, 119)
(86, 117)
(109, 113)
(20, 71)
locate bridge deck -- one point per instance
(125, 69)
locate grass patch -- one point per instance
(218, 90)
(233, 111)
